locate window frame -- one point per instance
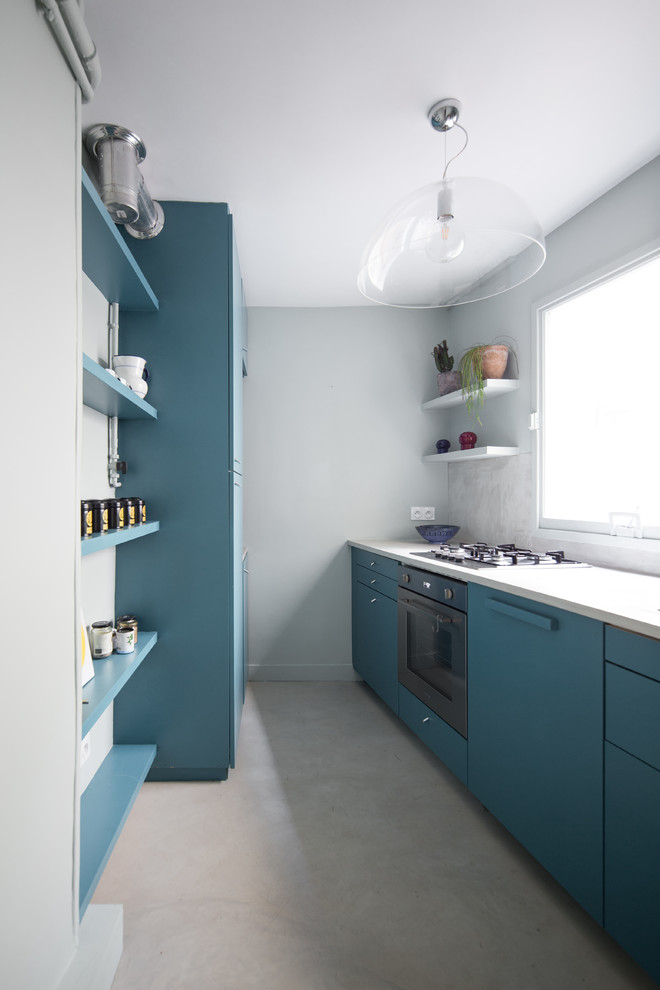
(575, 530)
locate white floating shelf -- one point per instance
(476, 454)
(492, 388)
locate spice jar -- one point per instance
(102, 634)
(124, 638)
(131, 621)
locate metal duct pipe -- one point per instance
(122, 188)
(66, 21)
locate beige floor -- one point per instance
(341, 855)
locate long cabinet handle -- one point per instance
(522, 615)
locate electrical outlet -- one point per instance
(421, 512)
(85, 750)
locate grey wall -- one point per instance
(38, 400)
(493, 500)
(334, 436)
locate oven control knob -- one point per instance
(449, 593)
(406, 578)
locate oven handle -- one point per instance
(415, 606)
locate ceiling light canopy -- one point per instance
(454, 241)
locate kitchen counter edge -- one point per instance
(619, 598)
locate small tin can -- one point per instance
(140, 511)
(129, 621)
(100, 516)
(129, 511)
(115, 513)
(86, 518)
(102, 639)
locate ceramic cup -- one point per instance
(128, 364)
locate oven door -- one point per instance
(432, 656)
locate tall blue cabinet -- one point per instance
(188, 584)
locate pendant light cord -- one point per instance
(454, 157)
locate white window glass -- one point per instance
(600, 403)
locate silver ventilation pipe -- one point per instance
(118, 152)
(66, 21)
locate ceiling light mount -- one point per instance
(444, 114)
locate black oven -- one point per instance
(432, 642)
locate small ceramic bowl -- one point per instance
(437, 533)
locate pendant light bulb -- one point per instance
(447, 238)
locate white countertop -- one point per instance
(630, 601)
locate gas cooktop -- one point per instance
(502, 555)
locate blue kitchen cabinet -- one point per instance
(632, 795)
(374, 623)
(238, 341)
(535, 731)
(187, 583)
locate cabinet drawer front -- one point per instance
(374, 642)
(372, 579)
(375, 562)
(440, 738)
(631, 650)
(632, 713)
(632, 857)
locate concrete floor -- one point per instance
(341, 855)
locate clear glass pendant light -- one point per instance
(454, 241)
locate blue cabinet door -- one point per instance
(535, 731)
(236, 340)
(632, 856)
(374, 641)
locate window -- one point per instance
(599, 404)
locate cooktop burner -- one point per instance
(502, 555)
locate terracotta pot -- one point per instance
(494, 360)
(448, 381)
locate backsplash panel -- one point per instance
(493, 501)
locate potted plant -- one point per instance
(448, 380)
(477, 365)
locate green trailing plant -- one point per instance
(472, 378)
(443, 360)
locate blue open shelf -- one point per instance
(103, 392)
(104, 808)
(101, 541)
(106, 258)
(110, 675)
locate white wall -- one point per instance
(334, 436)
(40, 178)
(493, 499)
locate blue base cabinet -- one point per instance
(535, 732)
(188, 583)
(374, 614)
(632, 795)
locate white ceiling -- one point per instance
(309, 116)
